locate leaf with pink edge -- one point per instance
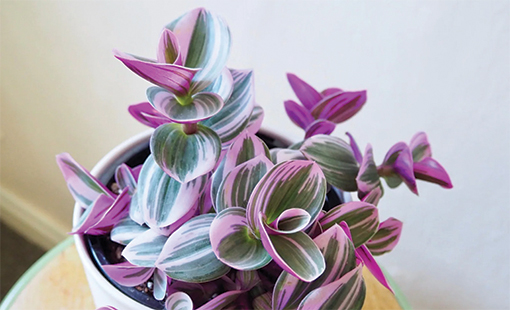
(125, 178)
(291, 184)
(237, 111)
(93, 214)
(338, 253)
(330, 91)
(392, 179)
(106, 308)
(428, 169)
(291, 221)
(84, 187)
(403, 166)
(347, 293)
(298, 114)
(179, 301)
(223, 85)
(117, 211)
(256, 118)
(367, 178)
(183, 156)
(372, 266)
(162, 199)
(205, 41)
(145, 113)
(374, 196)
(126, 230)
(320, 127)
(306, 93)
(188, 255)
(355, 148)
(236, 188)
(221, 301)
(420, 147)
(295, 253)
(339, 107)
(160, 284)
(336, 159)
(127, 274)
(386, 237)
(191, 109)
(168, 48)
(145, 249)
(362, 218)
(234, 244)
(174, 78)
(244, 148)
(279, 155)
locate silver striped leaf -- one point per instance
(179, 301)
(145, 249)
(126, 230)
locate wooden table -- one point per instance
(57, 282)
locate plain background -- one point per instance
(437, 66)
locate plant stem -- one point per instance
(190, 128)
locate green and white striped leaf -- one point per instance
(145, 249)
(336, 159)
(247, 279)
(135, 210)
(163, 199)
(186, 109)
(361, 217)
(340, 258)
(367, 178)
(124, 177)
(234, 244)
(236, 113)
(347, 293)
(236, 188)
(188, 255)
(185, 157)
(262, 302)
(291, 221)
(295, 253)
(256, 118)
(204, 39)
(223, 85)
(245, 147)
(292, 184)
(160, 284)
(179, 301)
(126, 230)
(279, 155)
(386, 237)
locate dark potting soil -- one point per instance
(106, 252)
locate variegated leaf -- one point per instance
(245, 147)
(291, 184)
(339, 255)
(174, 78)
(319, 127)
(428, 169)
(295, 253)
(163, 199)
(386, 237)
(372, 266)
(403, 166)
(93, 214)
(189, 109)
(160, 284)
(336, 159)
(185, 157)
(256, 118)
(168, 48)
(145, 249)
(179, 301)
(374, 196)
(236, 188)
(291, 221)
(234, 244)
(362, 218)
(221, 301)
(279, 155)
(125, 178)
(135, 209)
(145, 113)
(205, 40)
(236, 113)
(347, 293)
(223, 85)
(386, 169)
(263, 302)
(247, 279)
(126, 230)
(367, 178)
(420, 147)
(340, 106)
(216, 180)
(355, 148)
(127, 274)
(84, 187)
(188, 255)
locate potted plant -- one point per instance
(201, 214)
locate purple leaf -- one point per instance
(298, 114)
(176, 79)
(84, 187)
(320, 127)
(93, 214)
(355, 148)
(116, 212)
(386, 238)
(168, 48)
(124, 177)
(330, 91)
(428, 169)
(106, 308)
(145, 113)
(373, 196)
(340, 107)
(306, 93)
(127, 274)
(372, 265)
(420, 147)
(404, 167)
(222, 300)
(367, 178)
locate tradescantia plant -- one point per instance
(213, 219)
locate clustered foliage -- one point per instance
(216, 220)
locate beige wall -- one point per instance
(437, 66)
